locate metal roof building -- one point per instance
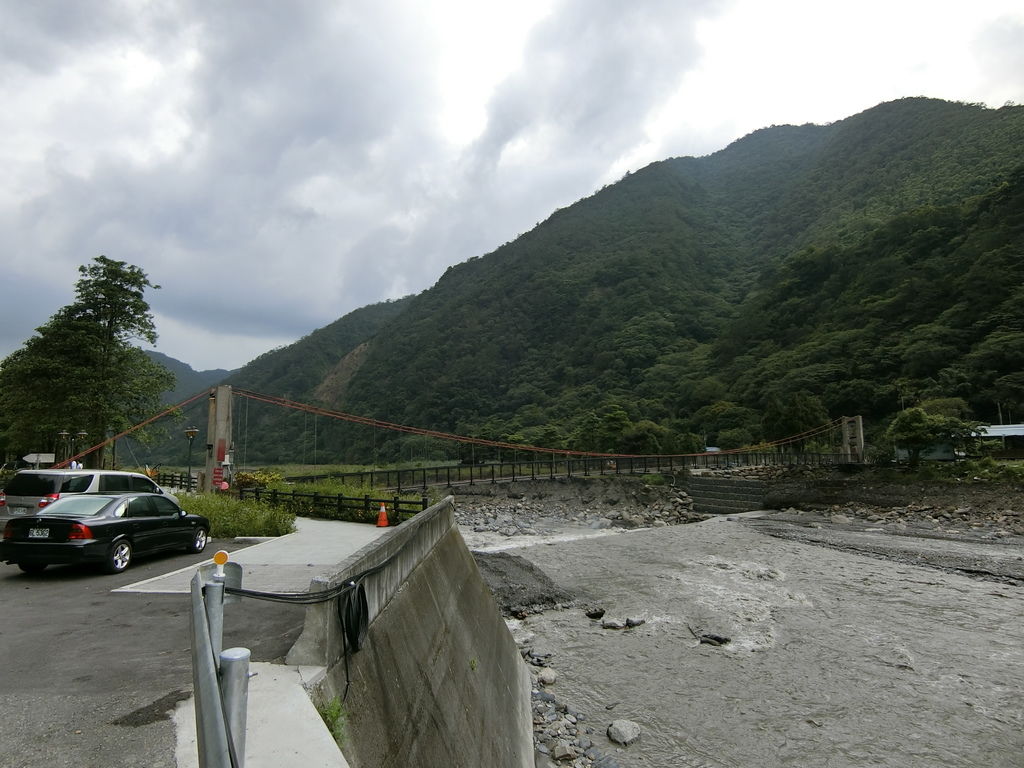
(1002, 430)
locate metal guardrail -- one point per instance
(220, 678)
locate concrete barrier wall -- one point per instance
(439, 681)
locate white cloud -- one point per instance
(276, 165)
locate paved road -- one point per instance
(88, 676)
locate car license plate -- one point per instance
(39, 533)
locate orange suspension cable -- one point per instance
(128, 431)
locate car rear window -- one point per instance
(32, 485)
(76, 506)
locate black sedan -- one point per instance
(104, 529)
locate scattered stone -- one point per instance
(635, 622)
(547, 676)
(559, 740)
(623, 732)
(607, 623)
(710, 638)
(563, 751)
(594, 613)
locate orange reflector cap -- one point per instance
(220, 557)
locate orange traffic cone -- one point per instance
(382, 518)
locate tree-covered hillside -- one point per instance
(929, 305)
(800, 273)
(187, 381)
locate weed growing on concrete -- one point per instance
(334, 717)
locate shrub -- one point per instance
(230, 517)
(257, 478)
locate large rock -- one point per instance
(623, 732)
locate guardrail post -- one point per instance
(234, 686)
(211, 730)
(214, 605)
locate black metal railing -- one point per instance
(359, 509)
(411, 478)
(510, 471)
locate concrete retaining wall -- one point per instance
(439, 681)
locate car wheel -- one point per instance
(199, 541)
(32, 567)
(119, 557)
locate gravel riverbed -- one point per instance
(840, 635)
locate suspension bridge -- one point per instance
(844, 435)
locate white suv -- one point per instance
(32, 490)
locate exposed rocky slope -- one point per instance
(548, 506)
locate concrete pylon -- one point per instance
(853, 439)
(218, 440)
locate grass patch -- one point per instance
(334, 717)
(230, 517)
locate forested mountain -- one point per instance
(801, 272)
(187, 381)
(928, 305)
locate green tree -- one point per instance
(645, 437)
(81, 372)
(946, 406)
(916, 430)
(741, 426)
(793, 414)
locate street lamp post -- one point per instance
(64, 435)
(190, 433)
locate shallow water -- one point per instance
(835, 658)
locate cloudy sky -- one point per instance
(275, 164)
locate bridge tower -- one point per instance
(852, 448)
(218, 440)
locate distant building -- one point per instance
(1012, 436)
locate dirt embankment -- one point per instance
(972, 506)
(537, 507)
